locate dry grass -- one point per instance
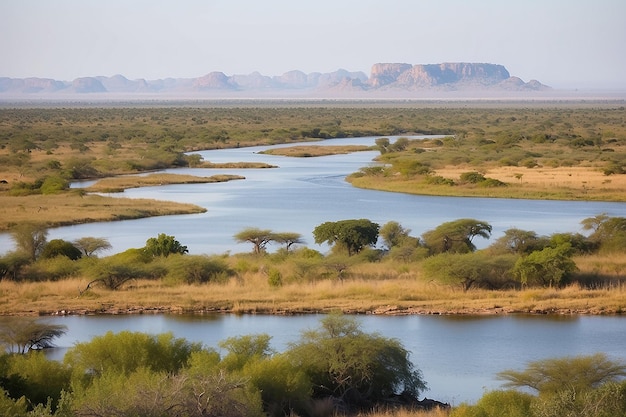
(572, 183)
(586, 182)
(250, 292)
(118, 184)
(438, 412)
(315, 150)
(72, 208)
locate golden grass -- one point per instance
(118, 184)
(72, 208)
(572, 183)
(250, 292)
(438, 412)
(586, 182)
(315, 150)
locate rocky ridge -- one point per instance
(386, 77)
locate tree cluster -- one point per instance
(337, 368)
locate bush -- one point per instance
(468, 270)
(60, 247)
(472, 177)
(53, 184)
(196, 269)
(355, 368)
(497, 404)
(127, 352)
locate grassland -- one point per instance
(380, 288)
(543, 151)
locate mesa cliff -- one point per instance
(384, 77)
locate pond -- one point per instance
(459, 356)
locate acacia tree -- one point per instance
(21, 334)
(258, 237)
(90, 245)
(609, 233)
(456, 236)
(30, 238)
(60, 247)
(517, 241)
(288, 239)
(579, 374)
(350, 235)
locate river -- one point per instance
(305, 192)
(459, 356)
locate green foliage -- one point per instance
(517, 241)
(54, 184)
(478, 269)
(497, 404)
(472, 177)
(126, 352)
(60, 247)
(13, 408)
(258, 237)
(393, 234)
(164, 245)
(147, 393)
(12, 264)
(608, 233)
(35, 377)
(30, 238)
(51, 269)
(349, 235)
(285, 388)
(547, 267)
(456, 236)
(90, 245)
(578, 374)
(275, 278)
(245, 349)
(196, 269)
(608, 400)
(354, 367)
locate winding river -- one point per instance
(305, 192)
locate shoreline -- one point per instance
(388, 310)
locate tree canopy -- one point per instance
(350, 235)
(354, 367)
(579, 373)
(258, 237)
(164, 245)
(456, 236)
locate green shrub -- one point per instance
(54, 184)
(275, 278)
(497, 404)
(196, 269)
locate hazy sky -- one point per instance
(562, 43)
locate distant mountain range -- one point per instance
(387, 78)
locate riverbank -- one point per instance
(251, 294)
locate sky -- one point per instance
(569, 44)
